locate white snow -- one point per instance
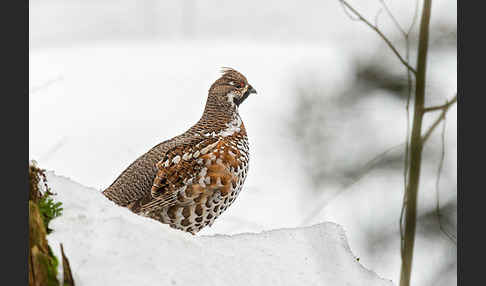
(109, 245)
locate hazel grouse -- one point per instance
(189, 180)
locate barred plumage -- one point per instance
(189, 180)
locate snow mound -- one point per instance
(109, 245)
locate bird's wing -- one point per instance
(179, 167)
(134, 183)
(132, 187)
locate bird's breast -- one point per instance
(215, 186)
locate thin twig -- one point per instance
(347, 13)
(402, 212)
(399, 27)
(371, 164)
(377, 16)
(407, 142)
(439, 172)
(367, 167)
(415, 16)
(444, 109)
(387, 41)
(407, 136)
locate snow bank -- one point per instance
(108, 245)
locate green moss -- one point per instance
(45, 263)
(42, 209)
(49, 209)
(52, 269)
(45, 269)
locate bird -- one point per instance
(189, 180)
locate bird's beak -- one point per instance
(249, 90)
(252, 90)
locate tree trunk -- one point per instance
(416, 147)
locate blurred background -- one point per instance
(110, 79)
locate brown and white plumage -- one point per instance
(189, 180)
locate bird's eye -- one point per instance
(241, 84)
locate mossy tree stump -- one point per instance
(42, 262)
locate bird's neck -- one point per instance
(218, 119)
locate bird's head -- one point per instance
(231, 89)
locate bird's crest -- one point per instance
(232, 74)
(225, 70)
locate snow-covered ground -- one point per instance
(108, 245)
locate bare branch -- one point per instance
(434, 125)
(371, 164)
(377, 16)
(415, 16)
(399, 27)
(444, 109)
(439, 172)
(387, 41)
(401, 222)
(347, 13)
(367, 167)
(407, 135)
